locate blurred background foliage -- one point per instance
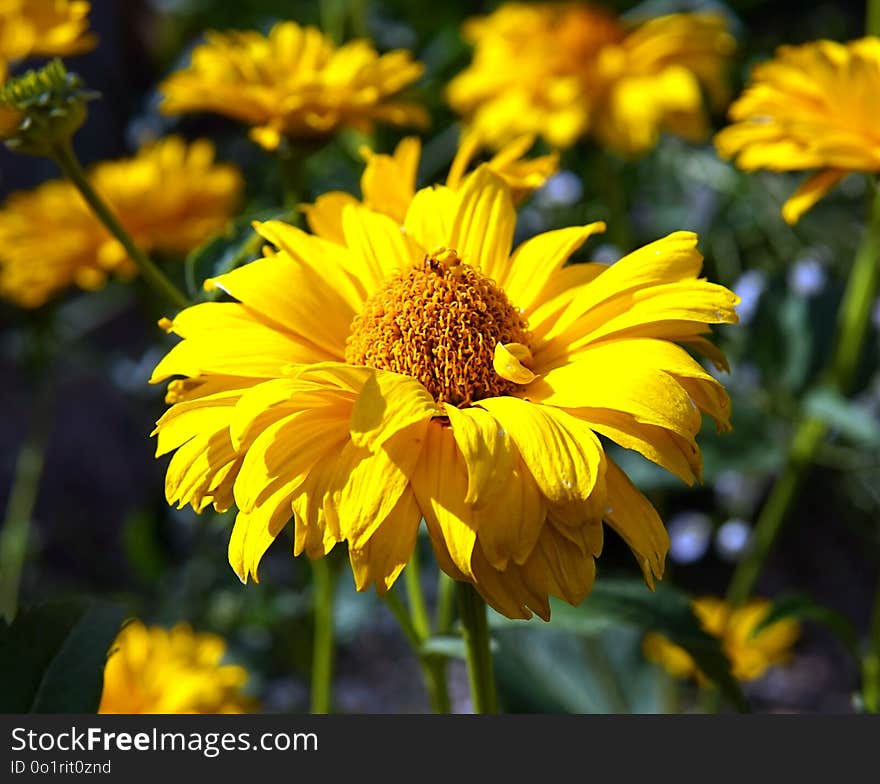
(103, 529)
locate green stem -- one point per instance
(323, 585)
(475, 629)
(433, 667)
(853, 323)
(416, 598)
(66, 159)
(19, 511)
(445, 603)
(871, 662)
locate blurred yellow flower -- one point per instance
(750, 653)
(170, 197)
(388, 184)
(563, 70)
(812, 106)
(42, 28)
(157, 670)
(294, 83)
(362, 382)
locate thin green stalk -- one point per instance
(445, 603)
(66, 159)
(871, 662)
(324, 586)
(433, 667)
(418, 608)
(19, 511)
(853, 323)
(475, 629)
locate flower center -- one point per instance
(439, 322)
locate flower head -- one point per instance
(171, 197)
(294, 83)
(157, 670)
(367, 378)
(42, 27)
(750, 649)
(810, 107)
(563, 70)
(42, 109)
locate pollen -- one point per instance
(439, 322)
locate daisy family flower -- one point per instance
(563, 70)
(750, 649)
(171, 197)
(295, 83)
(151, 669)
(363, 380)
(812, 106)
(42, 28)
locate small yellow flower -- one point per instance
(295, 83)
(42, 28)
(170, 197)
(366, 379)
(812, 106)
(388, 184)
(157, 670)
(750, 653)
(563, 70)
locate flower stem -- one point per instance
(66, 159)
(19, 511)
(475, 629)
(445, 603)
(433, 667)
(323, 586)
(412, 576)
(853, 323)
(871, 662)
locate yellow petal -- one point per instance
(440, 483)
(325, 215)
(388, 402)
(508, 362)
(488, 452)
(810, 192)
(482, 231)
(538, 259)
(635, 519)
(561, 452)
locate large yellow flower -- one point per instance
(566, 69)
(294, 83)
(42, 27)
(423, 369)
(157, 670)
(750, 652)
(171, 197)
(813, 106)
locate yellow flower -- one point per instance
(811, 107)
(156, 670)
(171, 197)
(563, 70)
(294, 83)
(363, 382)
(42, 28)
(750, 653)
(388, 184)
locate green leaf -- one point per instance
(238, 245)
(666, 610)
(52, 656)
(800, 607)
(852, 420)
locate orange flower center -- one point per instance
(439, 322)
